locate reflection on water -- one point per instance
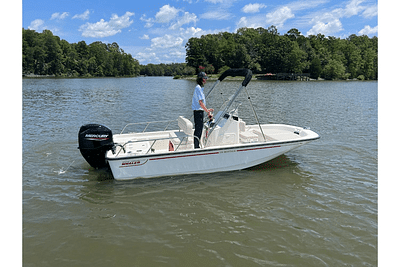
(314, 206)
(278, 163)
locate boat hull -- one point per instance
(199, 160)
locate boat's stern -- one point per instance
(94, 141)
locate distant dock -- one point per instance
(284, 76)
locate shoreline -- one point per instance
(190, 78)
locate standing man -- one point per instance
(199, 106)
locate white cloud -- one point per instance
(309, 4)
(353, 8)
(370, 12)
(37, 25)
(170, 47)
(253, 8)
(107, 28)
(147, 57)
(326, 28)
(279, 16)
(59, 16)
(218, 14)
(166, 41)
(251, 22)
(218, 1)
(145, 37)
(149, 21)
(166, 14)
(195, 32)
(83, 16)
(329, 22)
(178, 53)
(243, 23)
(186, 19)
(368, 30)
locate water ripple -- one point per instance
(315, 206)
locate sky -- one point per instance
(156, 31)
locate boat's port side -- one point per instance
(215, 159)
(134, 144)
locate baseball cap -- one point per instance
(202, 75)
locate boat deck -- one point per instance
(135, 144)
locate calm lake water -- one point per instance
(314, 206)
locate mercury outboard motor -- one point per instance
(94, 141)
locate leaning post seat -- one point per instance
(185, 125)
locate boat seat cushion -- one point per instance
(185, 125)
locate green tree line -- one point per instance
(162, 69)
(45, 54)
(266, 51)
(261, 50)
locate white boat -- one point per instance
(227, 143)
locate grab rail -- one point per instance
(143, 140)
(154, 140)
(147, 124)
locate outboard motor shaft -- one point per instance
(94, 141)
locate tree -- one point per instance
(195, 52)
(250, 38)
(29, 44)
(315, 68)
(265, 50)
(82, 49)
(334, 70)
(45, 54)
(53, 57)
(368, 66)
(273, 30)
(353, 56)
(293, 34)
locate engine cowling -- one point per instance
(94, 141)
